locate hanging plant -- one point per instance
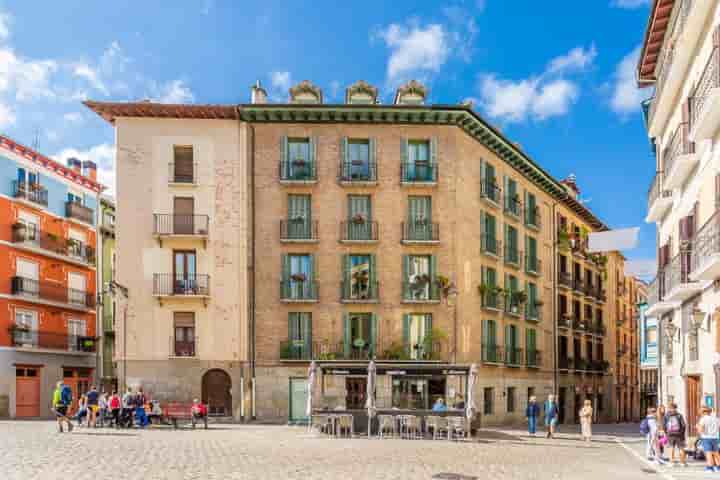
(358, 219)
(298, 277)
(299, 162)
(484, 289)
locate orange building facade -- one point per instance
(48, 238)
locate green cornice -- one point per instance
(458, 115)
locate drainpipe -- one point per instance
(554, 251)
(251, 130)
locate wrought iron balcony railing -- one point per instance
(30, 288)
(27, 338)
(298, 170)
(359, 291)
(176, 224)
(79, 212)
(492, 354)
(533, 358)
(299, 290)
(358, 171)
(489, 190)
(418, 172)
(168, 284)
(32, 192)
(298, 229)
(359, 231)
(421, 290)
(490, 245)
(420, 230)
(32, 236)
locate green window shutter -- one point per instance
(284, 165)
(433, 274)
(525, 202)
(485, 339)
(313, 276)
(292, 327)
(373, 277)
(490, 227)
(285, 275)
(506, 189)
(406, 332)
(433, 151)
(346, 267)
(483, 228)
(491, 276)
(346, 334)
(404, 151)
(307, 329)
(482, 175)
(373, 334)
(508, 247)
(405, 278)
(492, 332)
(344, 152)
(313, 151)
(371, 158)
(428, 323)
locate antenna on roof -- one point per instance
(36, 140)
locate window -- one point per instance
(27, 228)
(532, 264)
(512, 197)
(359, 281)
(512, 346)
(417, 393)
(77, 288)
(299, 159)
(76, 329)
(299, 336)
(488, 183)
(490, 348)
(419, 277)
(489, 289)
(299, 222)
(512, 255)
(26, 328)
(359, 222)
(298, 277)
(185, 272)
(418, 163)
(417, 328)
(419, 220)
(489, 243)
(488, 393)
(531, 347)
(532, 215)
(510, 399)
(183, 164)
(360, 332)
(512, 297)
(357, 165)
(75, 197)
(184, 327)
(533, 306)
(76, 242)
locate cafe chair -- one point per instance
(457, 428)
(438, 425)
(344, 426)
(386, 423)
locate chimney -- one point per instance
(258, 94)
(75, 165)
(90, 170)
(570, 184)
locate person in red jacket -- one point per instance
(199, 409)
(115, 405)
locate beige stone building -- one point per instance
(264, 236)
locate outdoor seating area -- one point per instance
(392, 400)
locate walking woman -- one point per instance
(531, 412)
(586, 417)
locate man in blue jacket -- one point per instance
(531, 412)
(551, 415)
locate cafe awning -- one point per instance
(398, 368)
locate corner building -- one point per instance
(339, 233)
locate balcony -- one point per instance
(565, 280)
(356, 231)
(42, 340)
(168, 285)
(533, 265)
(705, 100)
(679, 287)
(565, 363)
(359, 291)
(580, 324)
(533, 218)
(705, 263)
(419, 173)
(578, 285)
(513, 357)
(180, 175)
(107, 223)
(513, 305)
(52, 293)
(77, 211)
(490, 192)
(533, 358)
(422, 290)
(420, 232)
(298, 172)
(565, 322)
(490, 298)
(657, 305)
(600, 295)
(184, 348)
(303, 350)
(30, 238)
(299, 230)
(492, 354)
(512, 257)
(598, 329)
(490, 245)
(357, 172)
(673, 60)
(512, 206)
(679, 158)
(581, 364)
(660, 199)
(181, 227)
(34, 193)
(299, 290)
(533, 313)
(589, 290)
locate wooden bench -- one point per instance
(175, 411)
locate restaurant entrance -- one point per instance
(356, 389)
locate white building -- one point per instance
(681, 58)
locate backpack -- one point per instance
(66, 395)
(645, 426)
(674, 424)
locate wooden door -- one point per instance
(183, 215)
(694, 398)
(27, 392)
(355, 393)
(216, 392)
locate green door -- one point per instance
(419, 218)
(298, 400)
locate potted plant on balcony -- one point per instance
(299, 162)
(395, 351)
(517, 299)
(358, 219)
(298, 277)
(432, 338)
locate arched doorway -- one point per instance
(216, 394)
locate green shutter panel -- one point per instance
(345, 156)
(313, 277)
(284, 164)
(433, 279)
(508, 247)
(433, 158)
(508, 342)
(292, 327)
(485, 340)
(346, 334)
(482, 175)
(406, 274)
(373, 277)
(373, 334)
(346, 267)
(313, 153)
(428, 324)
(404, 158)
(285, 276)
(371, 157)
(506, 190)
(307, 328)
(483, 228)
(406, 333)
(525, 202)
(490, 227)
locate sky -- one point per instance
(556, 77)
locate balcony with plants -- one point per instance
(514, 301)
(533, 218)
(490, 245)
(512, 205)
(490, 192)
(181, 285)
(491, 296)
(533, 310)
(359, 229)
(31, 339)
(565, 321)
(359, 284)
(42, 292)
(421, 231)
(513, 356)
(299, 229)
(31, 192)
(533, 265)
(299, 288)
(28, 236)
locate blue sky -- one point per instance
(556, 77)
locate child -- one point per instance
(649, 428)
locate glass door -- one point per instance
(185, 273)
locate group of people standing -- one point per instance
(551, 413)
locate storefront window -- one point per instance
(417, 393)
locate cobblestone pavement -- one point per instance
(30, 450)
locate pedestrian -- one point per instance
(128, 404)
(531, 412)
(140, 416)
(649, 428)
(661, 437)
(115, 405)
(104, 410)
(586, 417)
(439, 405)
(675, 428)
(551, 415)
(61, 400)
(93, 399)
(82, 412)
(708, 428)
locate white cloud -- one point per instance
(414, 50)
(7, 116)
(626, 96)
(174, 91)
(630, 3)
(539, 97)
(28, 79)
(87, 72)
(73, 117)
(5, 21)
(641, 267)
(104, 157)
(280, 80)
(576, 59)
